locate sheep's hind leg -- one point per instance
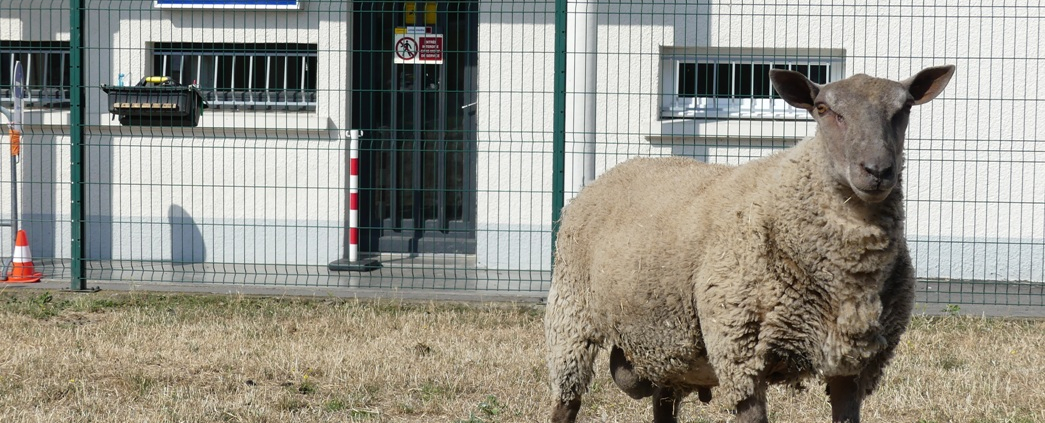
(624, 376)
(666, 402)
(846, 396)
(566, 411)
(704, 394)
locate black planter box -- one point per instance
(156, 101)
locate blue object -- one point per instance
(227, 3)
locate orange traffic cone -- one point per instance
(22, 262)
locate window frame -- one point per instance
(53, 91)
(202, 64)
(677, 104)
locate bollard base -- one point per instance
(361, 265)
(89, 290)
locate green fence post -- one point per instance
(78, 216)
(559, 121)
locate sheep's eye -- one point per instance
(821, 108)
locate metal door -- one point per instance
(419, 145)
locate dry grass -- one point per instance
(147, 357)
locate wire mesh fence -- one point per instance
(209, 140)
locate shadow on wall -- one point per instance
(186, 239)
(37, 173)
(683, 136)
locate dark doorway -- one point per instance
(417, 171)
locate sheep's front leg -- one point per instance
(666, 403)
(753, 409)
(846, 396)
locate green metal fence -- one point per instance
(475, 122)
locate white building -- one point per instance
(464, 147)
(975, 210)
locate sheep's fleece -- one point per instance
(702, 274)
(769, 274)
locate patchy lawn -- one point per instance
(152, 357)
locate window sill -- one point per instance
(263, 106)
(723, 114)
(162, 134)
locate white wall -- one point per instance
(974, 155)
(975, 209)
(514, 135)
(245, 187)
(971, 153)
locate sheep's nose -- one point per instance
(881, 173)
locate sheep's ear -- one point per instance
(794, 88)
(929, 83)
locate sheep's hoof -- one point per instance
(666, 406)
(566, 411)
(704, 393)
(846, 395)
(624, 376)
(752, 410)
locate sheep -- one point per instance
(786, 268)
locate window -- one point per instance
(243, 76)
(46, 68)
(711, 83)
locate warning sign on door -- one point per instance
(419, 49)
(431, 49)
(406, 49)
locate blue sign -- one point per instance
(228, 4)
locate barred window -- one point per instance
(734, 83)
(737, 79)
(243, 76)
(46, 68)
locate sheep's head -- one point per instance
(862, 121)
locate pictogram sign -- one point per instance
(406, 49)
(417, 46)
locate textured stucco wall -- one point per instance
(974, 157)
(516, 41)
(251, 187)
(975, 209)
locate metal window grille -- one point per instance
(244, 76)
(46, 67)
(734, 83)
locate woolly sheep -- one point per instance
(786, 268)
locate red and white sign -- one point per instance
(406, 49)
(419, 49)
